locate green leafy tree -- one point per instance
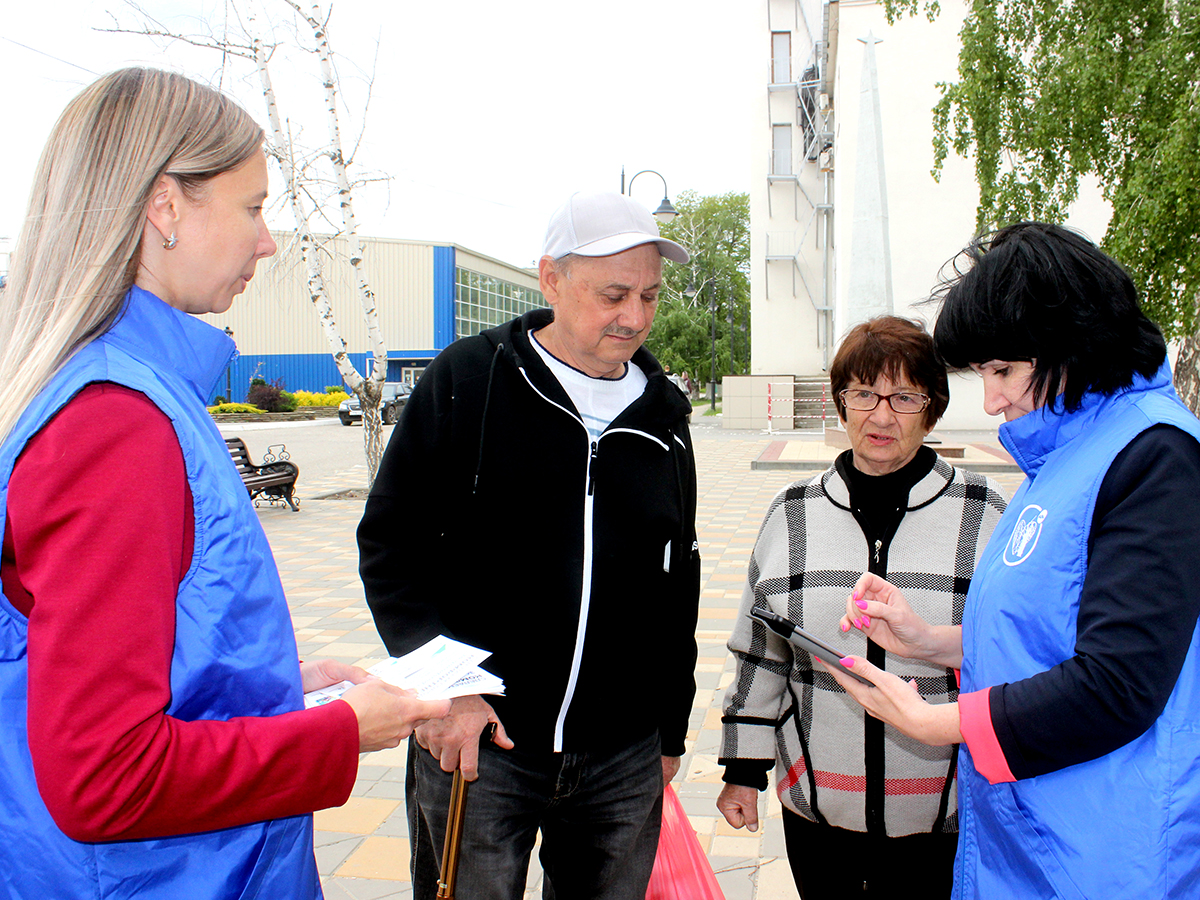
(1050, 91)
(716, 231)
(680, 337)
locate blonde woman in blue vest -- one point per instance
(156, 743)
(1079, 707)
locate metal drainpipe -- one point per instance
(826, 263)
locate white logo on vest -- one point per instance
(1025, 535)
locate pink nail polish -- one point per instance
(866, 622)
(847, 662)
(845, 627)
(855, 596)
(861, 604)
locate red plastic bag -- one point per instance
(681, 870)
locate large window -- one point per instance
(481, 301)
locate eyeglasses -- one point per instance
(905, 403)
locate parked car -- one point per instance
(395, 395)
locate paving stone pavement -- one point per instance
(362, 847)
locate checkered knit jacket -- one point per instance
(834, 764)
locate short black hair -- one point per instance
(1044, 293)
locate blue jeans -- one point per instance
(599, 816)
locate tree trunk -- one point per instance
(1187, 373)
(369, 389)
(372, 426)
(337, 158)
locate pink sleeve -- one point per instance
(98, 539)
(975, 723)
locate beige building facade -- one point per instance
(834, 128)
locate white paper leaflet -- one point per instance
(439, 670)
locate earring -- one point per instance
(169, 243)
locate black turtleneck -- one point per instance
(878, 502)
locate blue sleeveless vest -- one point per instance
(234, 655)
(1125, 825)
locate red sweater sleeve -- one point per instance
(975, 723)
(97, 540)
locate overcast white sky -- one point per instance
(486, 115)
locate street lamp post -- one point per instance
(712, 381)
(732, 346)
(665, 212)
(228, 370)
(691, 291)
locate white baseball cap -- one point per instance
(601, 224)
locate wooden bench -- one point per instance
(273, 481)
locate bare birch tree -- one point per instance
(300, 179)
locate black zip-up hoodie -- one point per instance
(490, 504)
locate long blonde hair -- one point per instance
(78, 252)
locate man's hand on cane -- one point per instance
(454, 740)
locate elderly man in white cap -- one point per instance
(537, 499)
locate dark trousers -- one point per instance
(599, 816)
(835, 864)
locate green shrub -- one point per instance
(287, 402)
(335, 389)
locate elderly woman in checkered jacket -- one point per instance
(854, 790)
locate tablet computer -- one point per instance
(808, 642)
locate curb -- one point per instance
(306, 414)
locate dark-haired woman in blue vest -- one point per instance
(1080, 699)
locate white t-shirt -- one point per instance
(599, 400)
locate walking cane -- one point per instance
(454, 826)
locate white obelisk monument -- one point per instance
(869, 286)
